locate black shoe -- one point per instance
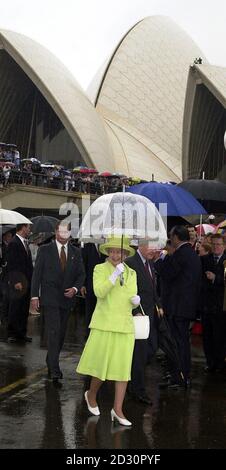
(27, 339)
(12, 339)
(170, 385)
(141, 399)
(177, 386)
(50, 376)
(210, 369)
(164, 384)
(56, 383)
(166, 377)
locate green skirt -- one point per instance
(107, 355)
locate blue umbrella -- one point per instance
(179, 202)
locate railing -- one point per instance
(60, 183)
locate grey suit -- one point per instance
(49, 283)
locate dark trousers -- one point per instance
(90, 301)
(4, 302)
(140, 355)
(180, 331)
(18, 315)
(153, 336)
(214, 338)
(56, 319)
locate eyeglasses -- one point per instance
(217, 244)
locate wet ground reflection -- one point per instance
(35, 414)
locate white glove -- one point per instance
(119, 270)
(135, 300)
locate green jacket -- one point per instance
(113, 311)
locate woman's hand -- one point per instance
(117, 272)
(135, 300)
(119, 269)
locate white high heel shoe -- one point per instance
(122, 421)
(94, 410)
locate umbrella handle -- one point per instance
(121, 279)
(121, 275)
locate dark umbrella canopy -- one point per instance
(179, 201)
(211, 193)
(8, 228)
(43, 223)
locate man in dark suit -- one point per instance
(214, 318)
(183, 271)
(19, 267)
(7, 237)
(141, 262)
(58, 275)
(91, 257)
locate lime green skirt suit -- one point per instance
(108, 351)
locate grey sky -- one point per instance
(82, 33)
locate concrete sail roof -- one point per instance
(204, 108)
(64, 95)
(145, 80)
(214, 78)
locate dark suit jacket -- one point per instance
(146, 290)
(183, 271)
(213, 291)
(19, 264)
(90, 259)
(49, 281)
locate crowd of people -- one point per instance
(30, 171)
(179, 284)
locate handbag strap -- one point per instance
(142, 310)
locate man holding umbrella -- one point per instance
(183, 271)
(19, 265)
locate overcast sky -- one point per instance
(82, 33)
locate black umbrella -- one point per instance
(167, 343)
(211, 193)
(43, 223)
(8, 228)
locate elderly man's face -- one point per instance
(148, 252)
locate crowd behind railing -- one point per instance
(31, 171)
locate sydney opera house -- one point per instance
(150, 110)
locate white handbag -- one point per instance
(141, 325)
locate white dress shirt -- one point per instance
(59, 246)
(144, 262)
(22, 240)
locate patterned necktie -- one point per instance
(63, 259)
(26, 246)
(147, 269)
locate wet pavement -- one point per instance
(34, 414)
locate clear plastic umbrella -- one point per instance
(123, 214)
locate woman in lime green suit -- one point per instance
(109, 349)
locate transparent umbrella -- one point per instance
(123, 214)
